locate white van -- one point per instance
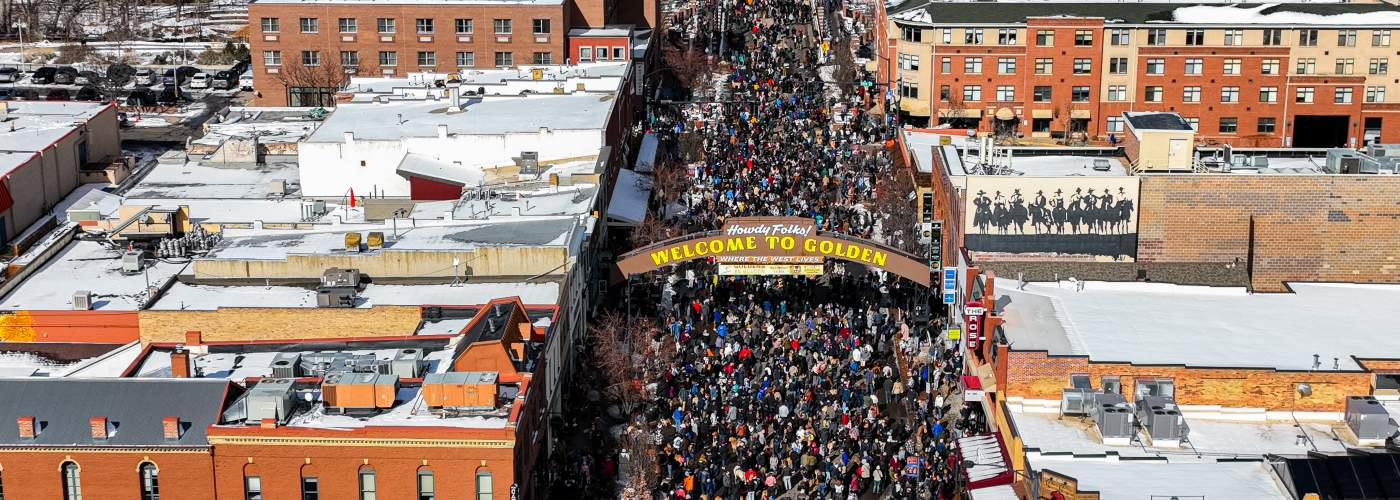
(245, 82)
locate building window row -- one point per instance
(422, 26)
(1155, 36)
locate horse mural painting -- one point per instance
(1053, 215)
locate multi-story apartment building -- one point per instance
(1301, 75)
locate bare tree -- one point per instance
(691, 67)
(669, 180)
(892, 201)
(651, 231)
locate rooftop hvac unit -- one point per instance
(340, 278)
(460, 390)
(1162, 419)
(1368, 419)
(82, 300)
(407, 363)
(335, 297)
(1260, 162)
(286, 365)
(270, 398)
(277, 187)
(1076, 402)
(529, 162)
(1113, 417)
(1346, 161)
(1383, 150)
(359, 391)
(133, 261)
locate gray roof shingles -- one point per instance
(63, 408)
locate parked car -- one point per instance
(87, 78)
(88, 93)
(199, 81)
(245, 82)
(145, 76)
(43, 76)
(224, 80)
(9, 75)
(141, 97)
(7, 94)
(59, 95)
(239, 67)
(65, 75)
(169, 96)
(26, 94)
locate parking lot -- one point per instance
(136, 87)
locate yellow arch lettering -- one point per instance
(660, 257)
(879, 258)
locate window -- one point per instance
(909, 90)
(1115, 124)
(619, 54)
(1346, 38)
(944, 93)
(1079, 381)
(1193, 66)
(1111, 384)
(505, 59)
(310, 25)
(1083, 66)
(1268, 67)
(501, 26)
(1234, 37)
(1266, 125)
(1044, 38)
(1380, 38)
(348, 24)
(1375, 94)
(585, 54)
(1273, 37)
(1079, 93)
(1378, 66)
(1306, 66)
(1044, 66)
(1118, 93)
(947, 35)
(1006, 93)
(368, 490)
(972, 36)
(385, 25)
(539, 26)
(1190, 94)
(388, 58)
(310, 488)
(600, 53)
(1006, 36)
(425, 484)
(1118, 65)
(1194, 122)
(1157, 36)
(466, 60)
(907, 61)
(349, 58)
(946, 65)
(1229, 94)
(972, 92)
(150, 482)
(1345, 65)
(1083, 38)
(1156, 66)
(1231, 67)
(252, 488)
(1195, 37)
(1152, 94)
(1006, 65)
(1307, 38)
(1342, 95)
(427, 58)
(972, 65)
(483, 485)
(1155, 387)
(310, 58)
(541, 58)
(1268, 95)
(72, 483)
(1040, 125)
(463, 26)
(272, 58)
(1120, 37)
(1041, 93)
(424, 26)
(912, 35)
(1303, 95)
(271, 25)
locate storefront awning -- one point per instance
(1042, 113)
(988, 454)
(1005, 114)
(646, 154)
(960, 113)
(628, 206)
(1080, 114)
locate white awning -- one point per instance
(646, 155)
(628, 206)
(427, 167)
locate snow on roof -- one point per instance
(234, 211)
(1159, 323)
(998, 492)
(646, 154)
(252, 362)
(184, 296)
(214, 181)
(502, 81)
(605, 31)
(278, 244)
(400, 119)
(409, 411)
(90, 197)
(1151, 13)
(630, 195)
(34, 125)
(443, 326)
(112, 364)
(1051, 434)
(1155, 479)
(1053, 166)
(1270, 13)
(577, 199)
(89, 266)
(267, 132)
(424, 166)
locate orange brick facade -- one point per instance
(1305, 228)
(107, 474)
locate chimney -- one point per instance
(100, 428)
(349, 138)
(454, 90)
(442, 131)
(268, 423)
(27, 427)
(171, 425)
(180, 363)
(193, 337)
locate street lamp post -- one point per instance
(21, 25)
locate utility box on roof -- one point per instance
(461, 390)
(359, 391)
(270, 398)
(1369, 420)
(1114, 418)
(1162, 420)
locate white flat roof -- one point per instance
(1159, 323)
(91, 266)
(278, 244)
(237, 366)
(184, 296)
(494, 77)
(630, 196)
(34, 125)
(545, 201)
(480, 116)
(1155, 479)
(1055, 166)
(1051, 434)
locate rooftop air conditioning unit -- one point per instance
(460, 390)
(286, 365)
(1369, 420)
(407, 363)
(270, 398)
(1114, 418)
(133, 261)
(1076, 402)
(82, 300)
(1162, 419)
(359, 391)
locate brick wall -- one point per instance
(107, 475)
(1306, 227)
(269, 323)
(337, 470)
(1035, 375)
